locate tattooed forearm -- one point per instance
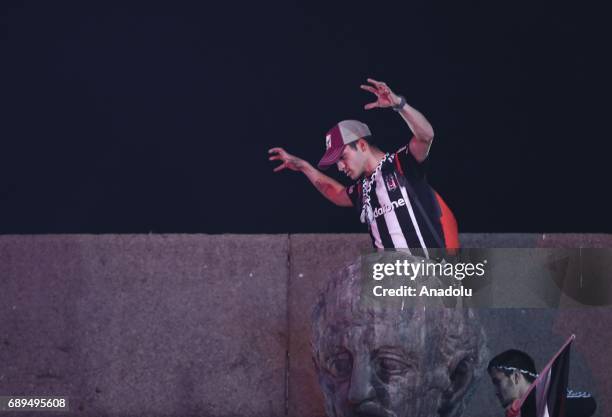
(327, 189)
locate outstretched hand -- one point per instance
(384, 96)
(288, 161)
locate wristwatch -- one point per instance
(401, 104)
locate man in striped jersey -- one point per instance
(390, 189)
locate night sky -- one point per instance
(156, 117)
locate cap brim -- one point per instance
(330, 158)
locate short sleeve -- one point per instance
(353, 193)
(409, 165)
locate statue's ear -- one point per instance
(315, 363)
(461, 377)
(314, 356)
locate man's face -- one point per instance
(506, 388)
(352, 162)
(378, 369)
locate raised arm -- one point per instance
(330, 188)
(421, 129)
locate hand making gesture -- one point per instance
(288, 161)
(384, 96)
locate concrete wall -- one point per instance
(199, 325)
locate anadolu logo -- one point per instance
(386, 208)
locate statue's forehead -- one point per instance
(375, 334)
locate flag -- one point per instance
(546, 396)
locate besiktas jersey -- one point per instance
(408, 213)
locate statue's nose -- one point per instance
(361, 388)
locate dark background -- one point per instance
(157, 117)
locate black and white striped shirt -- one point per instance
(399, 221)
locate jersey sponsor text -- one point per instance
(386, 208)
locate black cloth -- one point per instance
(579, 404)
